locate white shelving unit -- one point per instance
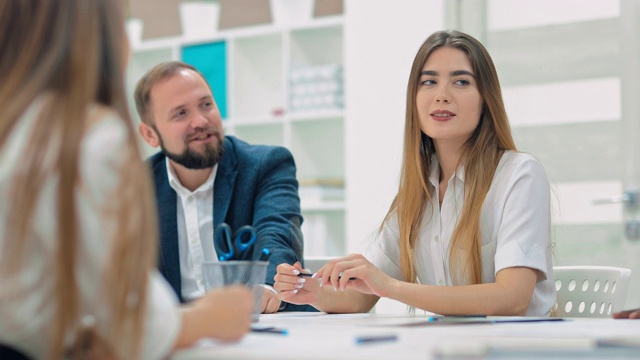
(259, 61)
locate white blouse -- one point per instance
(27, 306)
(515, 226)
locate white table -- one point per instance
(323, 336)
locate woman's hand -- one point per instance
(226, 312)
(627, 314)
(355, 272)
(296, 289)
(322, 289)
(223, 314)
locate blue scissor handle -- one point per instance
(244, 238)
(223, 234)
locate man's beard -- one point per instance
(190, 159)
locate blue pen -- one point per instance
(264, 255)
(455, 317)
(375, 338)
(270, 330)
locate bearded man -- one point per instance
(204, 178)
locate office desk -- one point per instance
(323, 336)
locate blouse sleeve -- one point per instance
(163, 319)
(524, 230)
(384, 252)
(104, 150)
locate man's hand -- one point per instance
(270, 302)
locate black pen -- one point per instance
(375, 338)
(310, 275)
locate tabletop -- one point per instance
(339, 336)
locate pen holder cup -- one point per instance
(225, 273)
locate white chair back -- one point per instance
(590, 291)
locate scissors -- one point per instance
(244, 237)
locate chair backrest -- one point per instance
(590, 291)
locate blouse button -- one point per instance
(436, 238)
(440, 282)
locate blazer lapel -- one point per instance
(223, 186)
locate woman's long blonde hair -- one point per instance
(480, 157)
(75, 52)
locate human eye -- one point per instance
(207, 104)
(462, 82)
(179, 114)
(428, 82)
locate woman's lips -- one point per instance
(442, 115)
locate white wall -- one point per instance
(381, 38)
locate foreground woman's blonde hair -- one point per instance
(72, 53)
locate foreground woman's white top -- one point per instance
(27, 305)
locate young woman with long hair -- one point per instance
(78, 234)
(469, 230)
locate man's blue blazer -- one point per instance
(255, 185)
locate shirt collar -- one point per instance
(175, 183)
(434, 172)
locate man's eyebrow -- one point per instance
(178, 107)
(453, 73)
